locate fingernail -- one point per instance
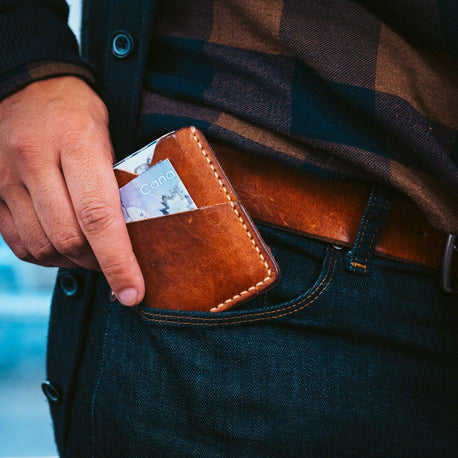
(128, 296)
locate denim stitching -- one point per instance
(248, 318)
(216, 318)
(274, 314)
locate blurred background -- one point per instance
(25, 295)
(25, 292)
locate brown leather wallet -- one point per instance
(208, 259)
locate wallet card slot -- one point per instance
(197, 167)
(171, 214)
(207, 257)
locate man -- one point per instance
(351, 354)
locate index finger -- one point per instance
(88, 172)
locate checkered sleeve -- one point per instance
(20, 77)
(36, 43)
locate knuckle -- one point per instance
(99, 109)
(72, 128)
(78, 134)
(114, 269)
(95, 216)
(75, 126)
(70, 245)
(19, 140)
(44, 252)
(25, 151)
(22, 140)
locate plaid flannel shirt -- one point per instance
(343, 89)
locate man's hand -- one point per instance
(59, 201)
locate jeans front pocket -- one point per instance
(177, 383)
(307, 268)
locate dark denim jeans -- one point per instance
(329, 363)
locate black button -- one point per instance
(122, 44)
(69, 284)
(51, 392)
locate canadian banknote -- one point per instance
(158, 191)
(139, 161)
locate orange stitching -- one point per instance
(357, 264)
(230, 320)
(260, 313)
(263, 260)
(254, 317)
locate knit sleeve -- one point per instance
(36, 43)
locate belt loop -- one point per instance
(378, 205)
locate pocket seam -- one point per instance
(248, 317)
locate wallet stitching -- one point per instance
(237, 213)
(249, 318)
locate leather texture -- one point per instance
(282, 196)
(208, 259)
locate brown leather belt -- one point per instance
(282, 196)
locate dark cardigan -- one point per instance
(36, 43)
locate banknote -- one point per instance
(156, 192)
(139, 161)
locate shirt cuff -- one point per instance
(17, 78)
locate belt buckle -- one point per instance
(447, 259)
